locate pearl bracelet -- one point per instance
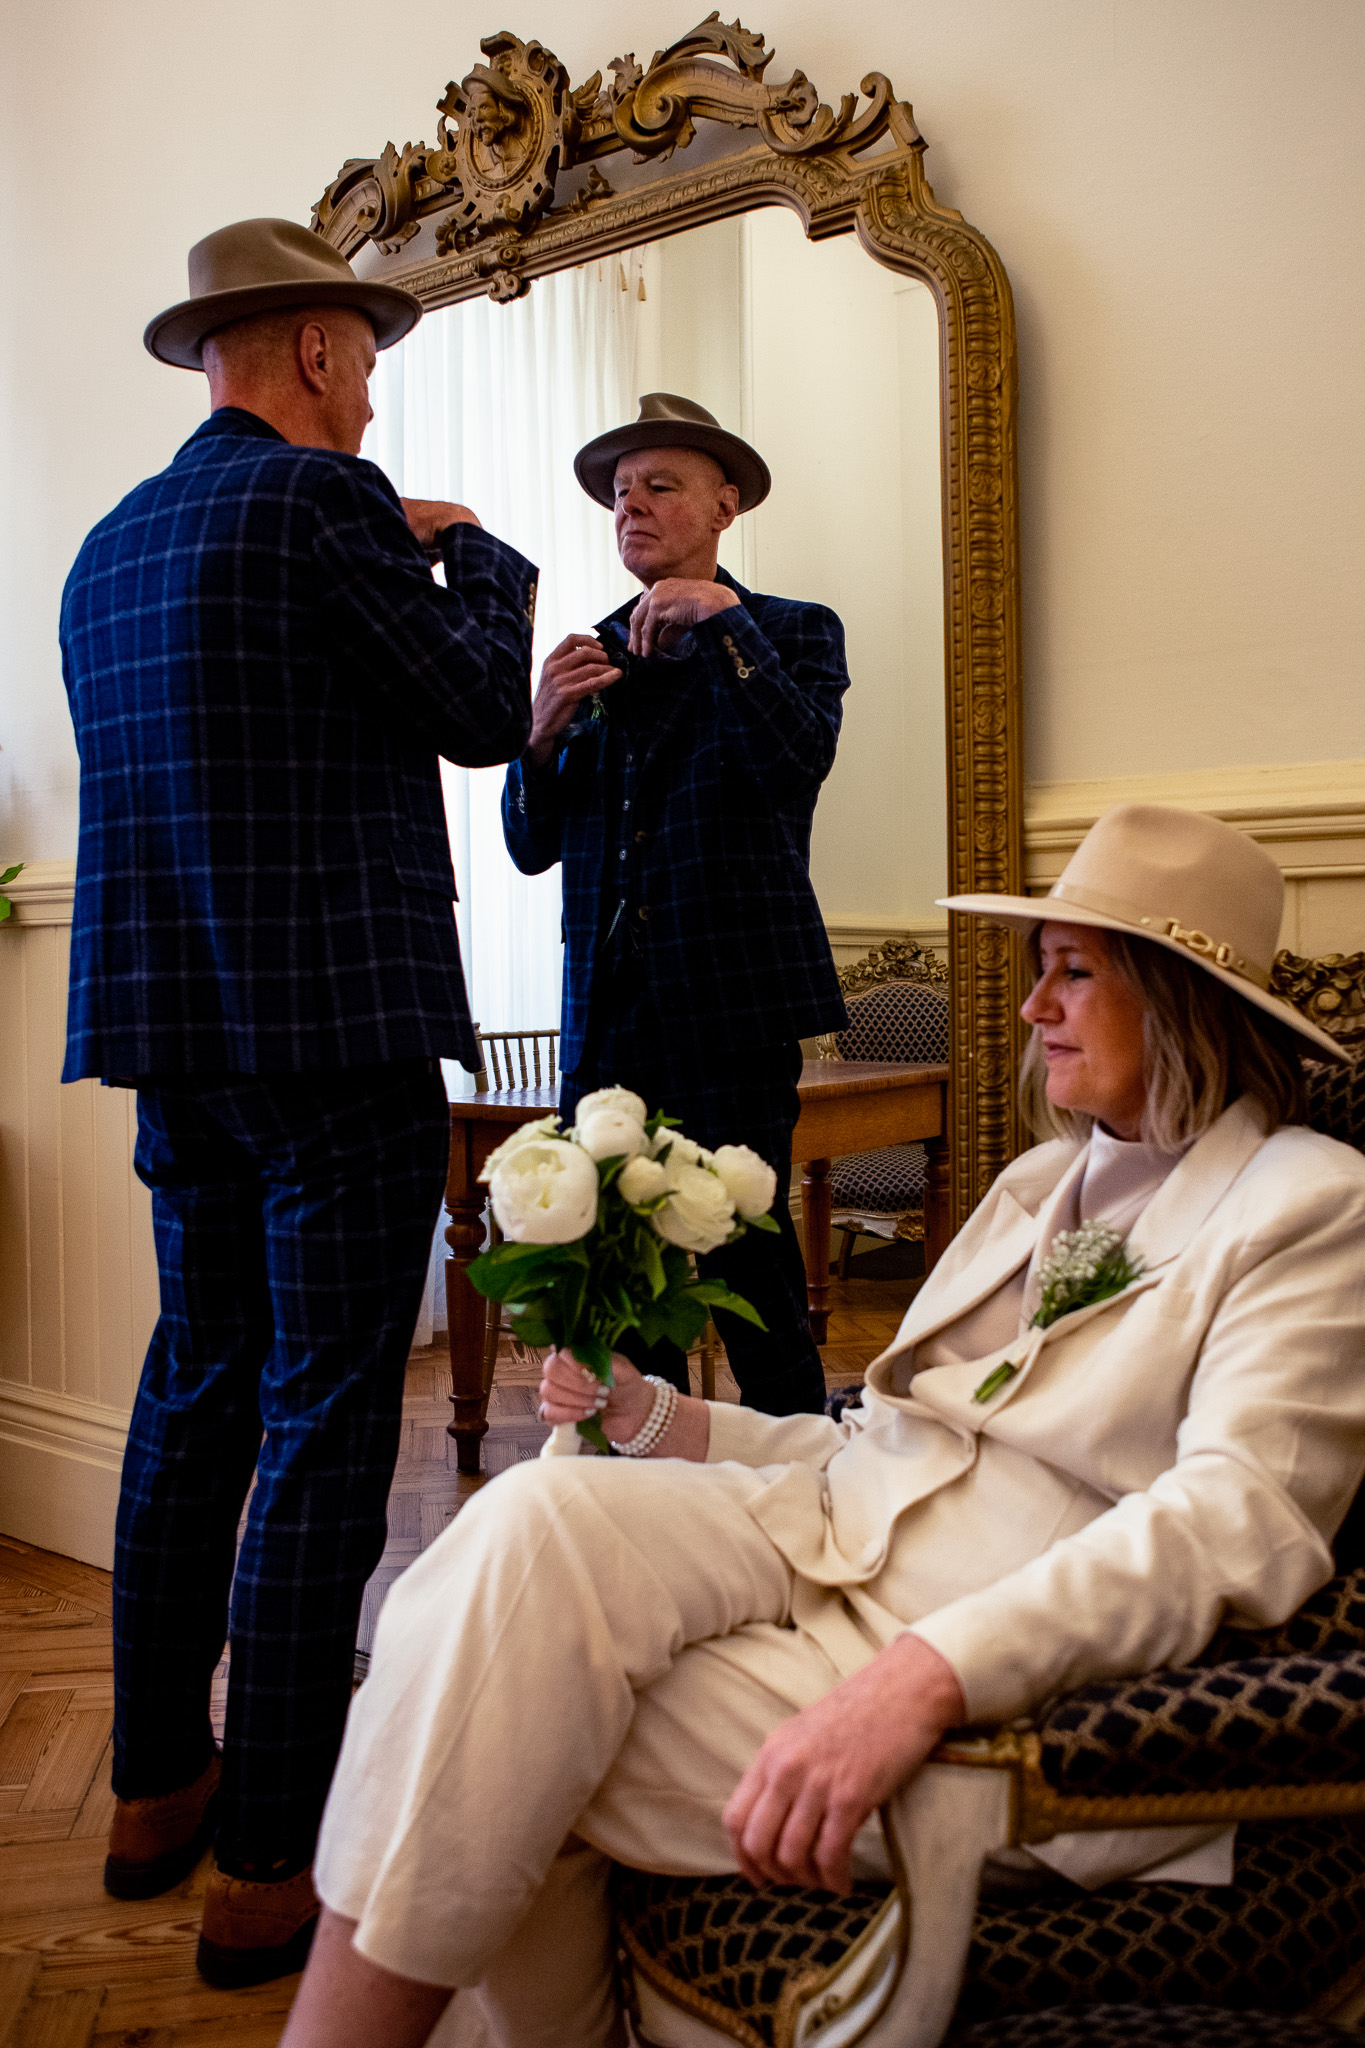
(656, 1423)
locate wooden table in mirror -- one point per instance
(846, 1106)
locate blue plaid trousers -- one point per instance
(293, 1217)
(730, 1100)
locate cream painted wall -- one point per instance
(1175, 190)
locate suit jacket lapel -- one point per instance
(1193, 1189)
(1180, 1206)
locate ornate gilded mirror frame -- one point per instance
(530, 174)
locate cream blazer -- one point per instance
(1180, 1453)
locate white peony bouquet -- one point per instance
(600, 1223)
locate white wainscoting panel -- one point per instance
(78, 1289)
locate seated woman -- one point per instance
(730, 1655)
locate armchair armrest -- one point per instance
(1267, 1725)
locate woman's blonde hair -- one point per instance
(1203, 1046)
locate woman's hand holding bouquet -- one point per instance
(600, 1224)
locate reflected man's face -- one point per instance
(672, 505)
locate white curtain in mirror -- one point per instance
(487, 405)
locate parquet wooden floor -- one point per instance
(81, 1970)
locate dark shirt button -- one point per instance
(622, 854)
(640, 838)
(643, 913)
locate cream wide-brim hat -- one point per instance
(667, 421)
(1186, 882)
(265, 266)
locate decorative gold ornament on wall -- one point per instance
(515, 189)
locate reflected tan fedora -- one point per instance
(262, 266)
(1183, 880)
(667, 421)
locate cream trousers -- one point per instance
(582, 1667)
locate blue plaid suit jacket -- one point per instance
(262, 672)
(717, 882)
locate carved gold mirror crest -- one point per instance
(530, 175)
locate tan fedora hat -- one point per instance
(667, 421)
(262, 266)
(1183, 880)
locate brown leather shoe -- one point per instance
(253, 1932)
(155, 1842)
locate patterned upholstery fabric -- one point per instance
(883, 1183)
(1260, 1720)
(900, 1020)
(1283, 1935)
(1138, 2026)
(1336, 1101)
(738, 1947)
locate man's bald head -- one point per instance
(305, 370)
(672, 505)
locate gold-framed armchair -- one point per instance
(1265, 1729)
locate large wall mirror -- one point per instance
(787, 266)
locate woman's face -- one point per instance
(1090, 1024)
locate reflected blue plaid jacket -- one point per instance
(262, 672)
(715, 884)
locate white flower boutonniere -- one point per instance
(1083, 1267)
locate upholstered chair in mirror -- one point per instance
(897, 998)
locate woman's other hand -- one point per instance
(820, 1775)
(570, 1393)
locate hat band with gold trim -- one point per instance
(1216, 951)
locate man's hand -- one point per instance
(672, 607)
(429, 518)
(794, 1814)
(579, 667)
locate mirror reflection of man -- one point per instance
(673, 767)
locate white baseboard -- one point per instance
(60, 1460)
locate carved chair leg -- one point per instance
(846, 1252)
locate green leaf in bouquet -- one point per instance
(11, 873)
(681, 1318)
(593, 1353)
(501, 1279)
(651, 1258)
(762, 1223)
(531, 1329)
(717, 1295)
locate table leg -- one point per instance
(937, 1209)
(815, 1217)
(465, 1313)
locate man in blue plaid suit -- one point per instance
(674, 763)
(262, 672)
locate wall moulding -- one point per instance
(1309, 815)
(530, 174)
(45, 893)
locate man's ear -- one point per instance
(727, 507)
(313, 356)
